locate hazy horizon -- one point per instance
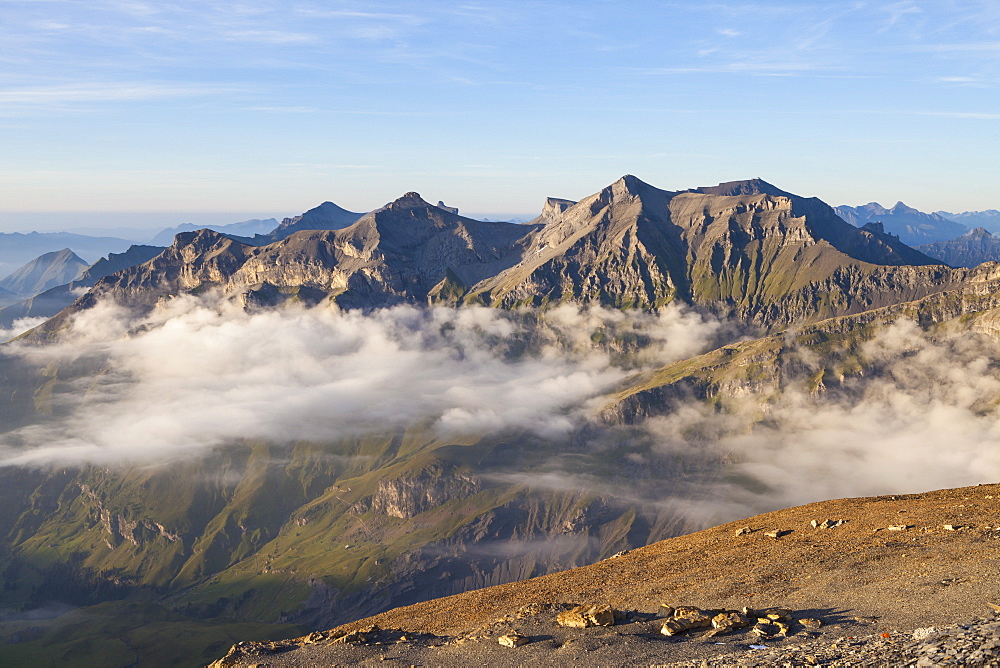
(95, 222)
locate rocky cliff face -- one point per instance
(408, 496)
(746, 249)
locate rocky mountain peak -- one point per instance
(876, 227)
(630, 184)
(979, 233)
(755, 186)
(44, 272)
(326, 216)
(410, 200)
(552, 210)
(554, 205)
(203, 238)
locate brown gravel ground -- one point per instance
(861, 579)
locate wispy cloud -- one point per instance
(284, 110)
(984, 116)
(897, 12)
(40, 96)
(320, 373)
(269, 37)
(411, 19)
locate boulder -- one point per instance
(513, 639)
(583, 616)
(778, 615)
(687, 618)
(729, 620)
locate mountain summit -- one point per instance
(326, 216)
(745, 248)
(44, 272)
(749, 187)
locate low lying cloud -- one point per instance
(198, 373)
(923, 416)
(18, 327)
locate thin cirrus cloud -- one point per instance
(103, 92)
(269, 37)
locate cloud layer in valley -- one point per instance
(198, 374)
(18, 327)
(195, 375)
(924, 415)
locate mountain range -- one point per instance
(53, 281)
(989, 219)
(246, 228)
(969, 250)
(358, 504)
(913, 227)
(746, 250)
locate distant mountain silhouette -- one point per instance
(45, 271)
(913, 227)
(246, 228)
(968, 250)
(989, 219)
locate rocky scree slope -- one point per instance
(885, 567)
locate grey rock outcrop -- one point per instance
(411, 495)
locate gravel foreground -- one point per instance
(876, 581)
(974, 644)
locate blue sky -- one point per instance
(269, 108)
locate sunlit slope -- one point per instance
(317, 532)
(400, 253)
(816, 356)
(743, 249)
